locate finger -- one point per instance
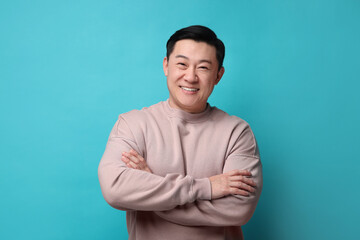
(125, 154)
(243, 179)
(243, 186)
(237, 191)
(240, 172)
(132, 165)
(135, 154)
(128, 160)
(134, 159)
(125, 159)
(129, 166)
(131, 157)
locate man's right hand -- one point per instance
(233, 182)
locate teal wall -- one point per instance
(68, 68)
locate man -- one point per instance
(181, 168)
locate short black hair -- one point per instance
(198, 33)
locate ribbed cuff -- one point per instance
(201, 189)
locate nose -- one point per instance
(190, 75)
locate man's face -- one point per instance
(192, 72)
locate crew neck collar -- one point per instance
(188, 117)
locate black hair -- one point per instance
(198, 33)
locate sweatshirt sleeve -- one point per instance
(232, 210)
(130, 189)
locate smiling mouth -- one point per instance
(190, 89)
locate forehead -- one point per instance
(194, 50)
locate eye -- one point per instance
(204, 67)
(181, 65)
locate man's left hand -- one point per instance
(135, 161)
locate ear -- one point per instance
(166, 66)
(219, 75)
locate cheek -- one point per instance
(208, 84)
(176, 75)
(210, 89)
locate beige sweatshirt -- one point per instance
(182, 150)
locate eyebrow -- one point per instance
(185, 57)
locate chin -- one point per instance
(192, 106)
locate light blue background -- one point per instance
(68, 68)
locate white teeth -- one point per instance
(190, 89)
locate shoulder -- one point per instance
(231, 121)
(241, 137)
(135, 124)
(143, 114)
(143, 120)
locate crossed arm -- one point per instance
(233, 200)
(226, 199)
(232, 182)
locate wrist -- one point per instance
(201, 189)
